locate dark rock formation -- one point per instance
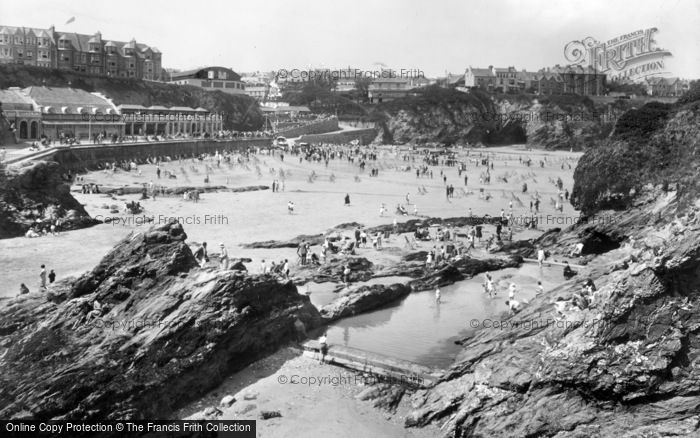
(652, 149)
(179, 190)
(452, 272)
(365, 298)
(410, 226)
(37, 193)
(625, 365)
(167, 333)
(361, 269)
(451, 116)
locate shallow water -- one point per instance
(419, 330)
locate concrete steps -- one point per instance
(379, 367)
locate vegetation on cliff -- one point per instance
(650, 146)
(240, 112)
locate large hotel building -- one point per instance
(84, 53)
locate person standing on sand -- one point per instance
(223, 257)
(346, 274)
(511, 291)
(285, 268)
(263, 267)
(42, 276)
(52, 276)
(437, 295)
(323, 344)
(301, 252)
(347, 200)
(540, 256)
(540, 288)
(382, 209)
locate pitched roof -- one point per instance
(453, 78)
(129, 106)
(284, 109)
(13, 30)
(481, 71)
(181, 108)
(72, 98)
(13, 99)
(390, 80)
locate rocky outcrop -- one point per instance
(557, 122)
(38, 194)
(626, 365)
(361, 269)
(454, 271)
(452, 116)
(167, 332)
(410, 226)
(653, 149)
(363, 299)
(179, 190)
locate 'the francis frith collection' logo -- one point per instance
(629, 56)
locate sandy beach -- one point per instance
(315, 400)
(239, 218)
(334, 407)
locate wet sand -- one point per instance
(315, 400)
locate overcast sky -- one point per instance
(439, 36)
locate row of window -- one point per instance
(219, 84)
(20, 41)
(7, 52)
(219, 74)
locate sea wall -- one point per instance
(365, 136)
(81, 157)
(320, 127)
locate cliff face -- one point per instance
(557, 122)
(626, 365)
(240, 112)
(37, 191)
(435, 115)
(654, 146)
(168, 332)
(450, 116)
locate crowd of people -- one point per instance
(446, 244)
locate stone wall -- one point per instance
(81, 157)
(321, 127)
(365, 136)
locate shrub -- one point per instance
(637, 125)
